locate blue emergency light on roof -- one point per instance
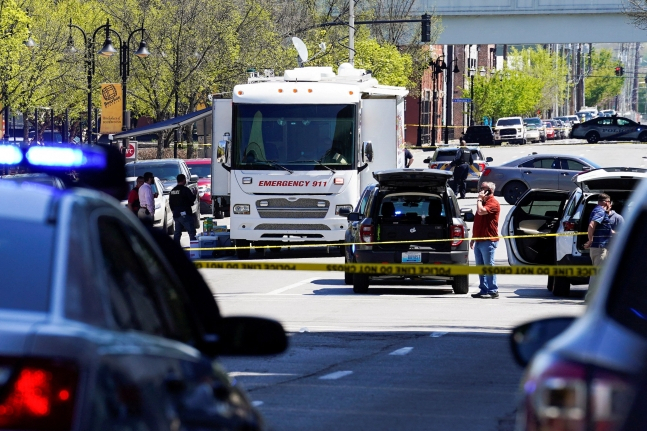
(60, 157)
(10, 155)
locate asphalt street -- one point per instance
(403, 356)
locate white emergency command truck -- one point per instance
(299, 148)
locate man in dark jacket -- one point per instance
(181, 200)
(461, 165)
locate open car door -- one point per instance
(536, 212)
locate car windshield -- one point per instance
(202, 170)
(531, 127)
(25, 289)
(296, 137)
(40, 179)
(535, 121)
(508, 122)
(163, 171)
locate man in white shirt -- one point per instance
(146, 200)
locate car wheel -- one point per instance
(561, 286)
(461, 284)
(643, 137)
(360, 283)
(592, 137)
(513, 191)
(242, 253)
(524, 141)
(348, 276)
(549, 284)
(543, 139)
(217, 212)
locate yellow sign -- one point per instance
(111, 108)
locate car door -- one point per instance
(160, 202)
(536, 212)
(568, 168)
(540, 173)
(352, 234)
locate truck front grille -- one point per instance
(300, 208)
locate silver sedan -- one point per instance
(610, 129)
(535, 171)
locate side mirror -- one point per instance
(246, 336)
(467, 214)
(194, 178)
(354, 217)
(528, 339)
(489, 159)
(427, 160)
(344, 212)
(367, 151)
(586, 168)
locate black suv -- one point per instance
(481, 135)
(408, 205)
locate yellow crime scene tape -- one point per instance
(337, 244)
(395, 269)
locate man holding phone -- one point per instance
(486, 238)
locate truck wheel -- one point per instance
(360, 283)
(348, 276)
(513, 191)
(592, 137)
(242, 253)
(461, 284)
(217, 212)
(549, 285)
(643, 137)
(561, 286)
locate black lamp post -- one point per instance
(107, 51)
(437, 68)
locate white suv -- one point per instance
(560, 211)
(511, 130)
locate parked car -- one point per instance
(511, 130)
(163, 216)
(408, 205)
(167, 171)
(108, 328)
(562, 128)
(536, 121)
(584, 116)
(583, 373)
(563, 212)
(443, 156)
(574, 119)
(535, 171)
(202, 168)
(551, 133)
(610, 129)
(533, 134)
(481, 135)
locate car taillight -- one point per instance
(570, 396)
(366, 233)
(37, 394)
(433, 166)
(568, 225)
(458, 234)
(481, 166)
(486, 172)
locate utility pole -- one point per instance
(351, 31)
(634, 88)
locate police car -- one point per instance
(609, 129)
(444, 156)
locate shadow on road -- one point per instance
(382, 287)
(543, 293)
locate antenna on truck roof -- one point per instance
(302, 50)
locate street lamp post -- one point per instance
(107, 51)
(437, 68)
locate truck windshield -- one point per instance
(297, 137)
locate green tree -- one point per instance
(602, 85)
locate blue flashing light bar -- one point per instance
(10, 155)
(62, 157)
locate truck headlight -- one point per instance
(241, 209)
(338, 207)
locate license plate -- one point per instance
(411, 257)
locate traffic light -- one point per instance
(620, 71)
(426, 28)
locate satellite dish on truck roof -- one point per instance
(302, 50)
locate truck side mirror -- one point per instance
(367, 151)
(489, 159)
(427, 160)
(354, 217)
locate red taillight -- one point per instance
(486, 172)
(366, 233)
(481, 167)
(38, 395)
(457, 232)
(434, 166)
(568, 226)
(569, 396)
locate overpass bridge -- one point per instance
(531, 21)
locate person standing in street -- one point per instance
(133, 196)
(181, 200)
(486, 238)
(408, 158)
(461, 164)
(146, 211)
(599, 233)
(615, 219)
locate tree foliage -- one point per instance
(602, 85)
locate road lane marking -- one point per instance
(336, 375)
(437, 334)
(252, 374)
(291, 286)
(401, 352)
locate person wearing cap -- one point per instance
(146, 211)
(181, 201)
